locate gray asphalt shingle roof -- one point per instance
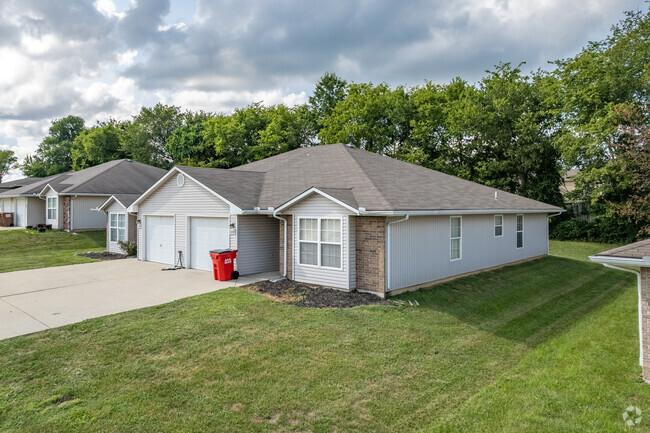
(636, 250)
(19, 182)
(356, 177)
(121, 176)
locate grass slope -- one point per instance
(27, 249)
(548, 345)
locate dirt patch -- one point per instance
(103, 256)
(313, 296)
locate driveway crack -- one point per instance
(24, 312)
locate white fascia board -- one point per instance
(107, 202)
(629, 261)
(40, 194)
(454, 212)
(83, 194)
(314, 190)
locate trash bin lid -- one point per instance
(221, 251)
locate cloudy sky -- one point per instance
(107, 58)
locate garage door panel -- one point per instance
(159, 243)
(207, 234)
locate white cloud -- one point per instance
(108, 9)
(127, 58)
(227, 101)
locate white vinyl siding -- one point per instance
(83, 214)
(257, 244)
(498, 225)
(418, 246)
(190, 200)
(456, 237)
(520, 231)
(316, 206)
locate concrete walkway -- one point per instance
(11, 228)
(45, 298)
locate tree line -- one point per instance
(511, 130)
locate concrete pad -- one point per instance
(36, 299)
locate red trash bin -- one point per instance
(223, 264)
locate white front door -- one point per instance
(207, 234)
(21, 213)
(159, 242)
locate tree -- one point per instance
(145, 138)
(188, 145)
(633, 155)
(256, 132)
(54, 153)
(97, 145)
(374, 118)
(329, 91)
(7, 162)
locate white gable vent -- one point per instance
(180, 180)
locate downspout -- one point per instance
(275, 215)
(406, 217)
(638, 281)
(72, 212)
(548, 232)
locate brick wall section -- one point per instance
(371, 254)
(289, 219)
(66, 213)
(645, 321)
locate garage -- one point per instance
(159, 239)
(206, 234)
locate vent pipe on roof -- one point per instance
(496, 195)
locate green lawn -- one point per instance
(549, 345)
(29, 249)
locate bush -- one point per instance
(602, 229)
(129, 247)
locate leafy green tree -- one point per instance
(374, 118)
(145, 138)
(54, 153)
(256, 132)
(97, 145)
(329, 91)
(188, 146)
(8, 161)
(605, 79)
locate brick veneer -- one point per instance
(289, 219)
(371, 243)
(645, 321)
(66, 213)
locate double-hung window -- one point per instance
(117, 227)
(319, 242)
(51, 208)
(498, 225)
(520, 231)
(456, 235)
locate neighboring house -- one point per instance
(348, 219)
(69, 201)
(636, 255)
(28, 208)
(568, 181)
(120, 225)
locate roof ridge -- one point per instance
(347, 149)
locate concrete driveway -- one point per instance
(39, 299)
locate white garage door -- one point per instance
(20, 212)
(159, 243)
(206, 234)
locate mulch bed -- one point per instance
(103, 256)
(313, 296)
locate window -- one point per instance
(455, 223)
(117, 227)
(498, 225)
(51, 208)
(520, 231)
(320, 242)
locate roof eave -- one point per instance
(364, 212)
(628, 261)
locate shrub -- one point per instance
(601, 229)
(129, 247)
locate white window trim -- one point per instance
(498, 225)
(126, 234)
(48, 208)
(318, 242)
(460, 243)
(523, 227)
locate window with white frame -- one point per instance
(456, 234)
(520, 231)
(51, 208)
(117, 227)
(319, 242)
(498, 225)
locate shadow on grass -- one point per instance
(528, 303)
